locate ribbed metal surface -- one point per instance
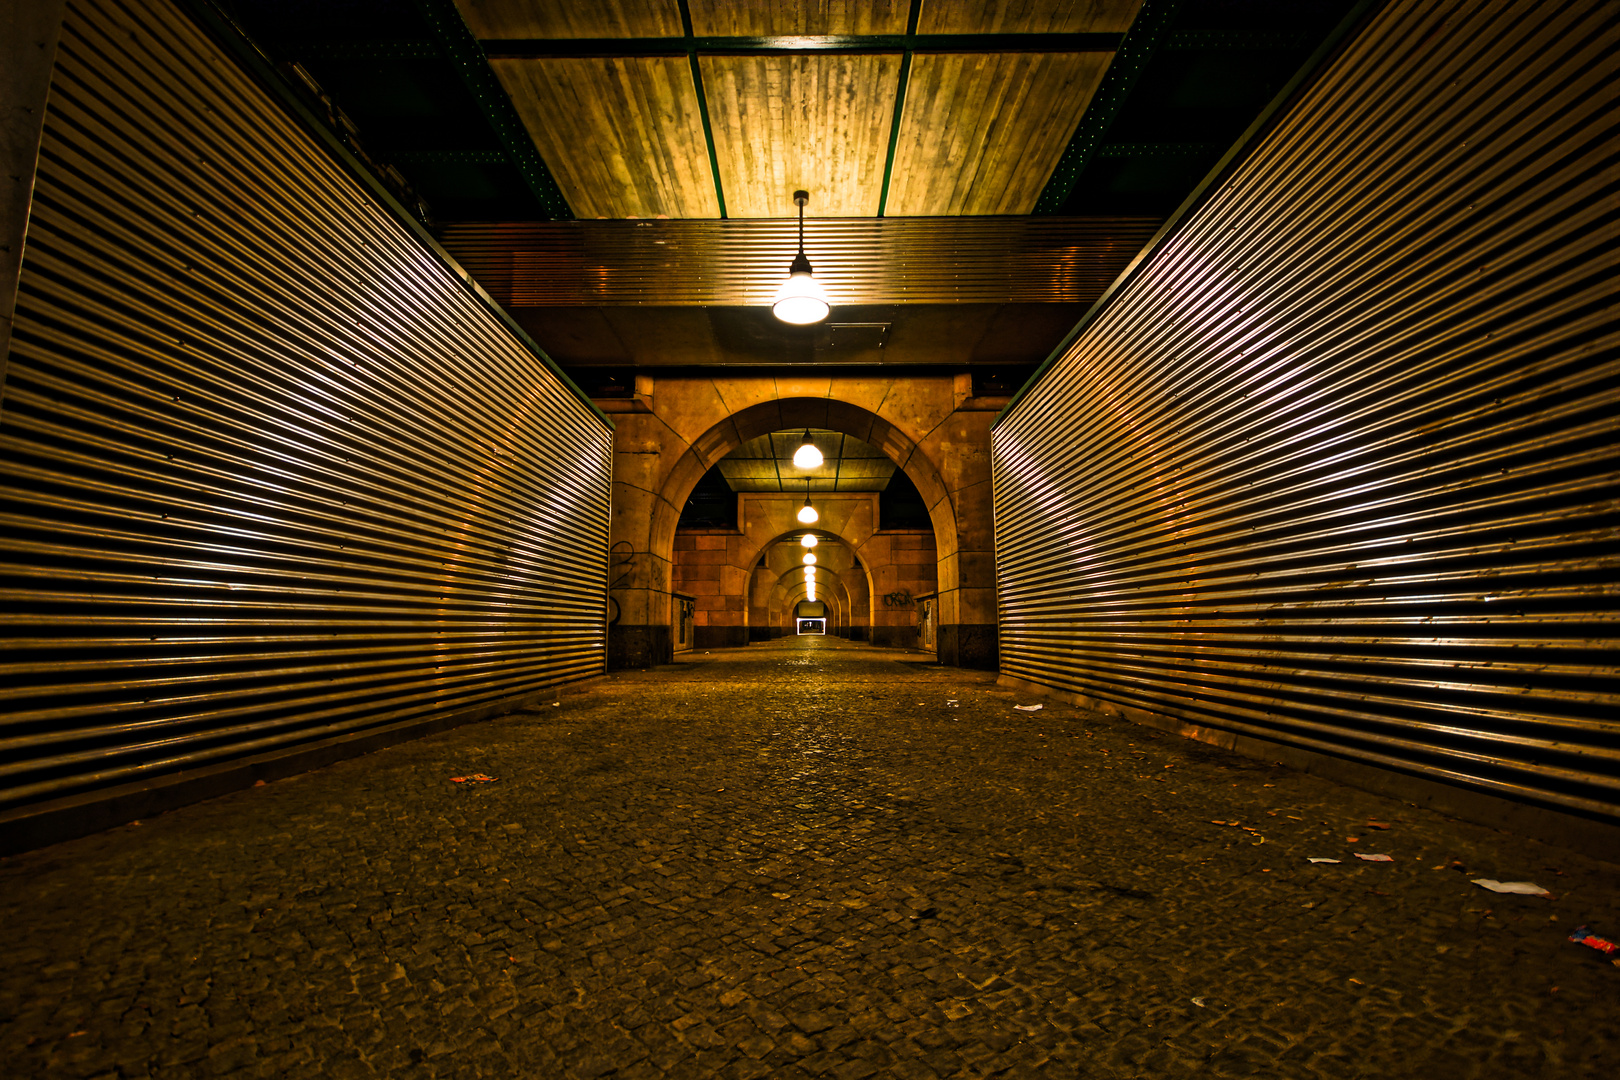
(268, 472)
(1338, 467)
(741, 262)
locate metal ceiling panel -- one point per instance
(773, 18)
(1337, 467)
(784, 123)
(982, 133)
(571, 19)
(860, 261)
(270, 473)
(623, 136)
(1027, 16)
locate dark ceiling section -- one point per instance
(390, 67)
(1189, 78)
(1203, 71)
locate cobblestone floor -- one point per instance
(803, 859)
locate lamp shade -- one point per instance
(809, 558)
(807, 456)
(809, 540)
(807, 514)
(800, 299)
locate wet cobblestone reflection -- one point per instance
(802, 860)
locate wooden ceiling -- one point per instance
(710, 113)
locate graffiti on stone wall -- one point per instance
(898, 598)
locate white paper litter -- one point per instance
(1324, 860)
(1526, 888)
(1029, 708)
(1375, 858)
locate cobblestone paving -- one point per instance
(803, 860)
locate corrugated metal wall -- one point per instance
(269, 473)
(1338, 466)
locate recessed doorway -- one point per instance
(812, 626)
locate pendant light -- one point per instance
(809, 540)
(807, 456)
(800, 299)
(807, 513)
(809, 558)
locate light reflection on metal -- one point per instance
(271, 473)
(739, 262)
(1336, 468)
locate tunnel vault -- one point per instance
(938, 436)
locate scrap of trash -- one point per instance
(1375, 858)
(474, 778)
(1582, 936)
(1028, 708)
(1308, 859)
(1525, 888)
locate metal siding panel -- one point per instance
(1338, 467)
(270, 473)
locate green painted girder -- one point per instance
(555, 48)
(899, 107)
(689, 49)
(1137, 48)
(463, 51)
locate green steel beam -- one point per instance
(899, 106)
(1134, 52)
(554, 48)
(462, 50)
(689, 47)
(910, 41)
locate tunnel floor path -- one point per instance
(803, 859)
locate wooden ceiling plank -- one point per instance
(773, 18)
(1027, 16)
(623, 136)
(815, 122)
(571, 19)
(982, 133)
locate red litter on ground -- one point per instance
(1582, 936)
(474, 778)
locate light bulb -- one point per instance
(807, 456)
(801, 301)
(809, 558)
(809, 540)
(807, 514)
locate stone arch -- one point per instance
(781, 415)
(752, 551)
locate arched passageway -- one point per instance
(942, 451)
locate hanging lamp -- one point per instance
(809, 558)
(800, 299)
(807, 513)
(807, 456)
(809, 540)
